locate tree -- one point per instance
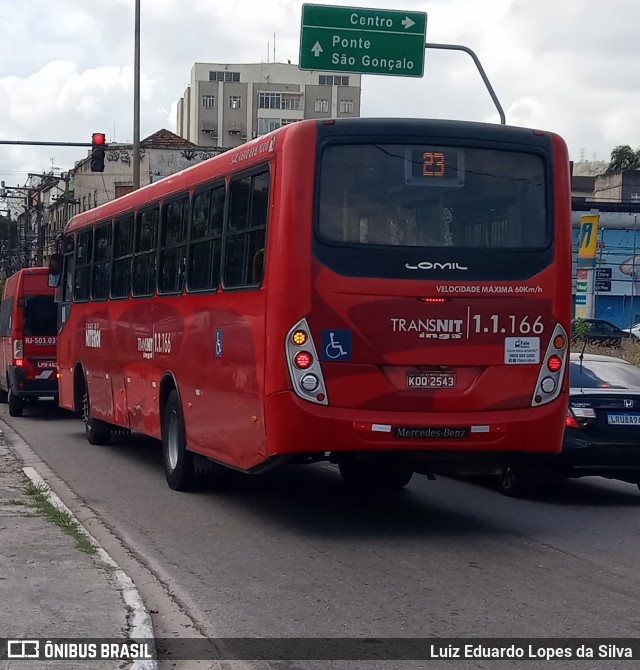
(623, 157)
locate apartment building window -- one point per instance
(275, 100)
(346, 106)
(269, 100)
(333, 80)
(322, 105)
(224, 76)
(235, 102)
(208, 101)
(267, 125)
(290, 102)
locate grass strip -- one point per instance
(38, 500)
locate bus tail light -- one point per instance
(18, 351)
(549, 382)
(304, 366)
(303, 360)
(554, 363)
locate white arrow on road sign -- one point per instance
(317, 49)
(407, 22)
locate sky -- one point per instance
(66, 67)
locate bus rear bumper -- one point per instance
(23, 387)
(295, 426)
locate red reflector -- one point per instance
(303, 360)
(554, 363)
(320, 397)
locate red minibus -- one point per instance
(27, 339)
(386, 294)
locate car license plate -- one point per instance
(623, 419)
(431, 380)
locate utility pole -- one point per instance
(136, 100)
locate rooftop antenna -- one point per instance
(268, 49)
(274, 47)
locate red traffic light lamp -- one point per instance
(98, 144)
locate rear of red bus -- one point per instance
(424, 304)
(29, 339)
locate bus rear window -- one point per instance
(432, 196)
(39, 315)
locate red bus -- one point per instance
(27, 339)
(386, 294)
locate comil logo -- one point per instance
(429, 265)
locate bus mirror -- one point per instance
(55, 270)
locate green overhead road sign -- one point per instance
(367, 41)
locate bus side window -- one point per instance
(101, 263)
(173, 246)
(246, 230)
(5, 317)
(84, 256)
(257, 267)
(205, 239)
(122, 257)
(144, 260)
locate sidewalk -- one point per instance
(50, 588)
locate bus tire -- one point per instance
(97, 432)
(178, 461)
(374, 474)
(4, 395)
(16, 404)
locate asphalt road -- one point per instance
(295, 554)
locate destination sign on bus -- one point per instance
(434, 166)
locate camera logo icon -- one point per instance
(23, 649)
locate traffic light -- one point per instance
(98, 143)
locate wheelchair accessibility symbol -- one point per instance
(336, 345)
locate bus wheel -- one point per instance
(379, 474)
(4, 396)
(16, 404)
(178, 462)
(97, 432)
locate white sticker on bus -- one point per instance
(92, 335)
(521, 350)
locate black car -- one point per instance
(602, 434)
(600, 332)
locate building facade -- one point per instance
(618, 186)
(226, 104)
(161, 154)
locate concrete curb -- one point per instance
(140, 625)
(139, 620)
